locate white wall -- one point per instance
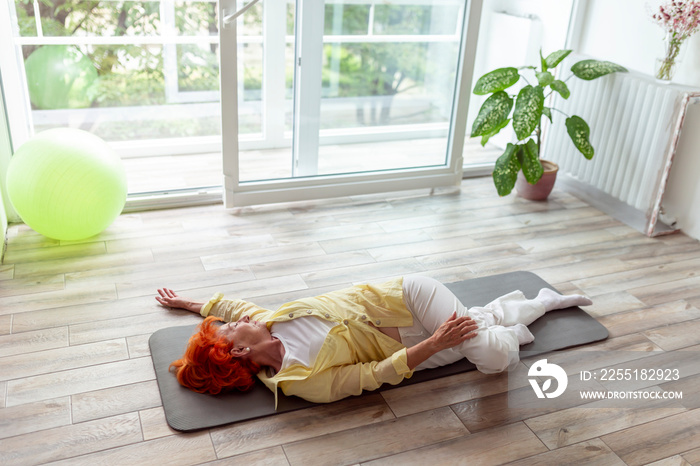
(621, 31)
(3, 225)
(6, 211)
(682, 200)
(548, 31)
(516, 41)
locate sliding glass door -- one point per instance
(304, 98)
(356, 96)
(142, 75)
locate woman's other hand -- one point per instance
(169, 298)
(454, 331)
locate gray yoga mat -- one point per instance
(187, 411)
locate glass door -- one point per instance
(143, 75)
(359, 96)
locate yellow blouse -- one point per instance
(355, 356)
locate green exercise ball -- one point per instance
(66, 184)
(59, 76)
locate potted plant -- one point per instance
(528, 108)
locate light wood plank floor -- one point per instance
(188, 171)
(77, 384)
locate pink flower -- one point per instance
(679, 17)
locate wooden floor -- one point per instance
(77, 383)
(190, 171)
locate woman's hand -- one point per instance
(169, 298)
(453, 332)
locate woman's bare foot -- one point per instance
(553, 300)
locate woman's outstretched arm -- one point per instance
(169, 298)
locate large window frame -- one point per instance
(273, 133)
(237, 193)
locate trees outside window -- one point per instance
(157, 61)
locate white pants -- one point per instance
(494, 348)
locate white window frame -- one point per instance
(273, 134)
(238, 193)
(13, 74)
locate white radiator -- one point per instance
(635, 125)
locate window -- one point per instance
(144, 75)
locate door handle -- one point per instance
(231, 17)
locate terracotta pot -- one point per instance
(540, 190)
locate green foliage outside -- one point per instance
(128, 74)
(133, 75)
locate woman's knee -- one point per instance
(490, 352)
(431, 302)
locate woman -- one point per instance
(335, 345)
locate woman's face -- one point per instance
(245, 332)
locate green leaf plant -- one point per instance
(528, 108)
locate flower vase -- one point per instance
(666, 67)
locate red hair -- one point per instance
(208, 366)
